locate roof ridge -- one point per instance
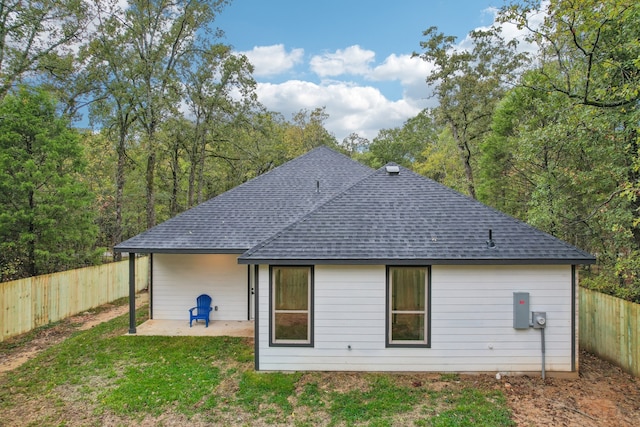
(274, 170)
(189, 231)
(408, 243)
(307, 215)
(262, 177)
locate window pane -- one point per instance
(291, 326)
(291, 288)
(408, 289)
(407, 327)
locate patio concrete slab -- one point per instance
(230, 328)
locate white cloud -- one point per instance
(352, 60)
(351, 108)
(355, 106)
(404, 68)
(273, 60)
(356, 61)
(411, 72)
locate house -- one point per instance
(346, 268)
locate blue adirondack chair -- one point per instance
(202, 310)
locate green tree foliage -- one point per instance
(440, 161)
(553, 140)
(46, 220)
(354, 145)
(162, 39)
(36, 38)
(108, 75)
(554, 165)
(258, 146)
(468, 83)
(403, 145)
(307, 131)
(565, 146)
(175, 93)
(140, 57)
(212, 85)
(589, 49)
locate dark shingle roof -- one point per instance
(407, 219)
(358, 216)
(254, 211)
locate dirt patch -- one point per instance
(340, 383)
(603, 395)
(18, 350)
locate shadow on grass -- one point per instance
(126, 379)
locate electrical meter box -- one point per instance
(521, 313)
(539, 319)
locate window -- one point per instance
(291, 305)
(408, 306)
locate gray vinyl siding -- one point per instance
(471, 317)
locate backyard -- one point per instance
(85, 371)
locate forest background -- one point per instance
(548, 135)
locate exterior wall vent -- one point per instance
(393, 170)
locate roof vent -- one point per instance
(393, 170)
(490, 243)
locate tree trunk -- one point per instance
(31, 245)
(151, 191)
(200, 179)
(194, 162)
(465, 151)
(120, 182)
(192, 175)
(175, 164)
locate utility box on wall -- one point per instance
(539, 319)
(521, 313)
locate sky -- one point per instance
(352, 57)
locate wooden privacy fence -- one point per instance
(610, 329)
(36, 301)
